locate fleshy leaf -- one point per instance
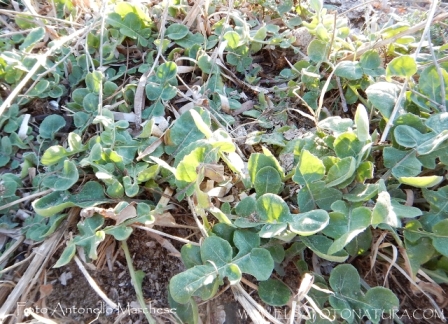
(274, 292)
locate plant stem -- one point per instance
(136, 283)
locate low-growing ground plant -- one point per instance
(286, 154)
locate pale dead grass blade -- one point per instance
(413, 283)
(18, 201)
(42, 255)
(393, 39)
(38, 318)
(196, 218)
(180, 239)
(17, 264)
(94, 285)
(375, 248)
(140, 97)
(394, 259)
(10, 250)
(13, 13)
(255, 311)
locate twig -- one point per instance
(39, 319)
(435, 103)
(94, 285)
(5, 255)
(136, 283)
(15, 13)
(18, 201)
(388, 41)
(427, 24)
(15, 265)
(148, 229)
(195, 216)
(341, 93)
(10, 27)
(323, 91)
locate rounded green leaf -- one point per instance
(347, 144)
(317, 5)
(361, 192)
(191, 255)
(380, 299)
(39, 88)
(90, 102)
(166, 71)
(309, 223)
(120, 233)
(204, 63)
(187, 168)
(421, 182)
(267, 180)
(320, 244)
(153, 90)
(383, 96)
(185, 284)
(349, 70)
(345, 280)
(33, 37)
(50, 126)
(216, 250)
(246, 207)
(272, 209)
(79, 94)
(57, 91)
(52, 203)
(131, 187)
(257, 161)
(309, 169)
(115, 190)
(93, 81)
(271, 230)
(317, 51)
(232, 38)
(53, 155)
(257, 263)
(261, 34)
(176, 31)
(169, 92)
(109, 88)
(370, 60)
(402, 163)
(341, 171)
(233, 273)
(440, 239)
(62, 180)
(187, 313)
(403, 66)
(274, 292)
(224, 231)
